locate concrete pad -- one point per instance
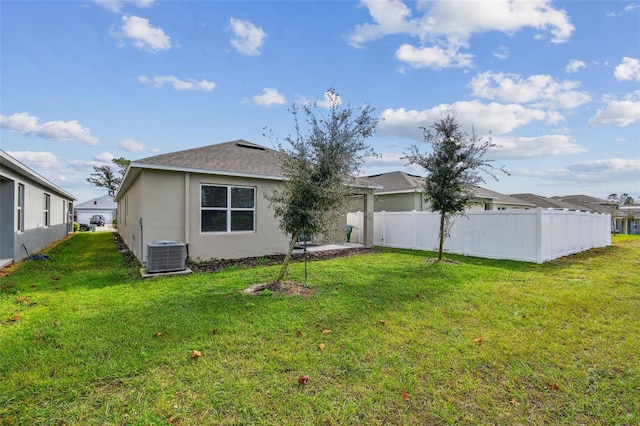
(145, 274)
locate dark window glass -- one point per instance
(214, 220)
(214, 196)
(242, 198)
(241, 221)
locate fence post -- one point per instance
(384, 226)
(413, 216)
(539, 235)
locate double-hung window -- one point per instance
(227, 208)
(47, 210)
(20, 207)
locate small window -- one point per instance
(227, 208)
(20, 208)
(47, 210)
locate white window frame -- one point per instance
(47, 210)
(20, 208)
(228, 209)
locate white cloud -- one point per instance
(132, 145)
(143, 35)
(574, 65)
(117, 5)
(180, 85)
(629, 69)
(330, 99)
(433, 57)
(450, 24)
(23, 122)
(501, 52)
(270, 96)
(247, 38)
(39, 159)
(620, 113)
(104, 157)
(492, 118)
(540, 90)
(534, 147)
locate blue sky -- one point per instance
(556, 84)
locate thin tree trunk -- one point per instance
(441, 246)
(284, 271)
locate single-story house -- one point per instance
(104, 206)
(548, 203)
(626, 219)
(402, 191)
(34, 212)
(212, 199)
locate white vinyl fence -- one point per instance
(535, 235)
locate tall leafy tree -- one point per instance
(622, 199)
(106, 177)
(455, 164)
(318, 164)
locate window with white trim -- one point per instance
(47, 210)
(20, 208)
(227, 208)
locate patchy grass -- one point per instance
(386, 338)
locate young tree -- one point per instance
(318, 166)
(453, 166)
(104, 176)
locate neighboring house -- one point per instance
(547, 203)
(402, 192)
(104, 206)
(588, 203)
(626, 219)
(211, 198)
(34, 212)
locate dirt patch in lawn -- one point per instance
(289, 288)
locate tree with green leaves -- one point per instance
(453, 167)
(105, 177)
(621, 200)
(318, 165)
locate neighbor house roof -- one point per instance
(104, 202)
(588, 203)
(498, 198)
(545, 202)
(10, 163)
(395, 182)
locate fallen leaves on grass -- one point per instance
(322, 346)
(405, 395)
(325, 332)
(196, 354)
(157, 334)
(552, 386)
(382, 322)
(478, 340)
(302, 380)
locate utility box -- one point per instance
(166, 256)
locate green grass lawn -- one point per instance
(83, 340)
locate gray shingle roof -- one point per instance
(237, 157)
(587, 202)
(498, 198)
(546, 203)
(396, 182)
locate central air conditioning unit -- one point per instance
(166, 256)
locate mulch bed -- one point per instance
(214, 265)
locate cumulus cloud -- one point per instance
(247, 38)
(132, 145)
(433, 57)
(501, 52)
(142, 34)
(492, 118)
(540, 90)
(330, 99)
(178, 84)
(534, 147)
(574, 65)
(23, 122)
(117, 5)
(618, 171)
(629, 69)
(270, 96)
(39, 159)
(448, 25)
(618, 112)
